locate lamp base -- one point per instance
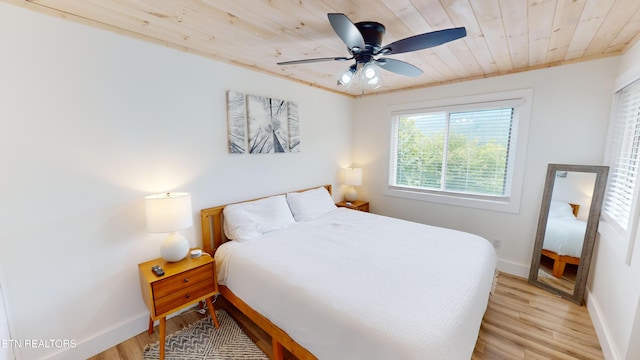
(351, 194)
(174, 248)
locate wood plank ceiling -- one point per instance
(503, 36)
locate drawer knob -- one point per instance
(187, 296)
(186, 280)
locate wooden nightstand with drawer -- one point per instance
(184, 283)
(355, 205)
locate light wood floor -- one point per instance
(526, 322)
(521, 322)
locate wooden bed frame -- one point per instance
(212, 238)
(561, 261)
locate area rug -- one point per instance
(544, 274)
(201, 340)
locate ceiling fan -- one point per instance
(364, 41)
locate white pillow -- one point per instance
(559, 209)
(310, 204)
(248, 220)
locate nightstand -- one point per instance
(184, 283)
(355, 205)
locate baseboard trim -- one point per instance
(98, 343)
(604, 337)
(111, 337)
(513, 268)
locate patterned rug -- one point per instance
(201, 340)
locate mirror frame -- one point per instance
(590, 234)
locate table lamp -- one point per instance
(352, 177)
(168, 213)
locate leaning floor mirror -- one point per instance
(567, 229)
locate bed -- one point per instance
(564, 236)
(333, 283)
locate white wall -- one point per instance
(576, 188)
(91, 123)
(568, 124)
(615, 305)
(6, 349)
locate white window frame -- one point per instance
(522, 99)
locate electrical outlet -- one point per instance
(496, 243)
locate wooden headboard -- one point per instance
(212, 220)
(575, 208)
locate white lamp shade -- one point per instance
(353, 176)
(168, 212)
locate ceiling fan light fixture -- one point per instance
(364, 43)
(372, 78)
(347, 77)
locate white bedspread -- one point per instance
(354, 285)
(565, 236)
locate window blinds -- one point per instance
(481, 165)
(464, 152)
(624, 145)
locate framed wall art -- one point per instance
(262, 125)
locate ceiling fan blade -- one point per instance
(304, 61)
(346, 30)
(423, 41)
(399, 67)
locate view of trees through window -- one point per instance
(461, 152)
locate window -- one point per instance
(623, 157)
(462, 154)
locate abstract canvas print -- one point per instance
(262, 125)
(294, 128)
(237, 122)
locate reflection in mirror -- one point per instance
(567, 228)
